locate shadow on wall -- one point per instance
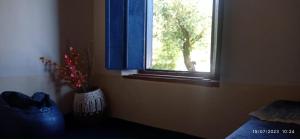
(76, 29)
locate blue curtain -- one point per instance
(125, 34)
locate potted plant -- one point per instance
(88, 101)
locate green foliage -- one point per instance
(178, 28)
(167, 57)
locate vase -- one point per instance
(89, 103)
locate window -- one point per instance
(166, 40)
(180, 35)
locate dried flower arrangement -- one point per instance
(70, 73)
(75, 72)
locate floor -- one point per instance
(112, 128)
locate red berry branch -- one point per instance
(69, 72)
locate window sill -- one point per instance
(175, 79)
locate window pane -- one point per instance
(181, 35)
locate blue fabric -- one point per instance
(248, 130)
(41, 99)
(23, 115)
(125, 34)
(280, 111)
(16, 99)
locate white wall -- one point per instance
(29, 29)
(260, 64)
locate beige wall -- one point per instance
(260, 64)
(76, 26)
(76, 22)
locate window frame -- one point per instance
(210, 79)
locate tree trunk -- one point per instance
(186, 51)
(186, 48)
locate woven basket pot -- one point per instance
(89, 103)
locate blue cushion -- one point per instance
(23, 115)
(280, 111)
(17, 100)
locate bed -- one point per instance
(279, 120)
